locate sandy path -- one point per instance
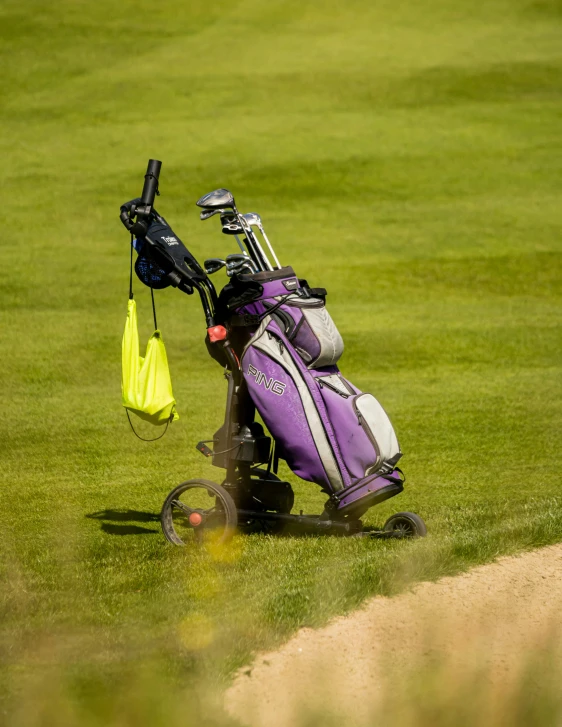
(489, 616)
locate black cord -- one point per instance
(273, 308)
(148, 440)
(271, 456)
(131, 287)
(224, 451)
(131, 271)
(153, 309)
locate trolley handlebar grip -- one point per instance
(150, 187)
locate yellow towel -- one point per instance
(146, 384)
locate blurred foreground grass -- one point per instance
(428, 697)
(407, 157)
(444, 678)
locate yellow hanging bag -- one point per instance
(146, 383)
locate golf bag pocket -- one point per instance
(375, 423)
(315, 336)
(362, 428)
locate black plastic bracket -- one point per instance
(202, 447)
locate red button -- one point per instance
(217, 333)
(195, 519)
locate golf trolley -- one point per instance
(279, 348)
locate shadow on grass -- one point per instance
(113, 519)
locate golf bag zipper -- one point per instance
(369, 434)
(331, 387)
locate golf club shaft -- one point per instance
(240, 245)
(269, 246)
(250, 235)
(254, 253)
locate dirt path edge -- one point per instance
(490, 615)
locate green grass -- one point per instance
(405, 156)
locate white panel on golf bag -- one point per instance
(378, 428)
(317, 339)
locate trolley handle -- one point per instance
(143, 210)
(150, 188)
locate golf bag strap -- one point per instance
(244, 321)
(305, 291)
(248, 319)
(308, 292)
(396, 480)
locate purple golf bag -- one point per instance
(326, 429)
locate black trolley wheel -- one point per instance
(406, 525)
(196, 511)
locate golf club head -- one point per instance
(217, 199)
(246, 269)
(239, 258)
(239, 269)
(230, 225)
(252, 219)
(206, 213)
(213, 265)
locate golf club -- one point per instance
(236, 266)
(231, 225)
(255, 242)
(254, 220)
(213, 265)
(241, 259)
(210, 212)
(237, 269)
(205, 214)
(224, 199)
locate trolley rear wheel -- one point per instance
(406, 525)
(198, 511)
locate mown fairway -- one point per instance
(406, 156)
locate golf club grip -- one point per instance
(151, 182)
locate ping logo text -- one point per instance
(276, 387)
